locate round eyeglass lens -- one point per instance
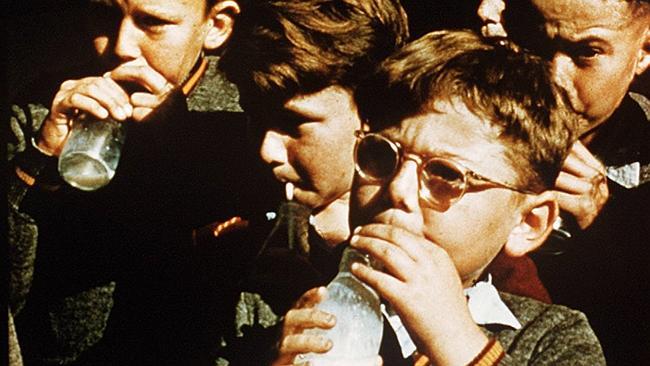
(443, 182)
(376, 157)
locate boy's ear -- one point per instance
(221, 21)
(644, 54)
(535, 225)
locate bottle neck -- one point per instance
(296, 218)
(351, 255)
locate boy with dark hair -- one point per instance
(467, 139)
(296, 64)
(597, 49)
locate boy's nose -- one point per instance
(127, 44)
(273, 150)
(561, 64)
(402, 191)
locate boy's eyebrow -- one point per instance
(295, 112)
(286, 118)
(589, 40)
(592, 31)
(590, 34)
(157, 12)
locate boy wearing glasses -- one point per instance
(467, 140)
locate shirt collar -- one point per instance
(485, 307)
(194, 76)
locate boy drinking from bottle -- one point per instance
(466, 141)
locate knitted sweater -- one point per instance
(550, 335)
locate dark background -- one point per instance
(41, 36)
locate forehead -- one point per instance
(162, 7)
(332, 108)
(333, 103)
(452, 131)
(599, 17)
(322, 101)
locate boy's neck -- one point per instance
(331, 223)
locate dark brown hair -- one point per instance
(281, 48)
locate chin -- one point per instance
(307, 198)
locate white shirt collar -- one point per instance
(485, 307)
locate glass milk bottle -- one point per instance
(356, 337)
(91, 153)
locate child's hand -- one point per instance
(154, 87)
(491, 14)
(95, 95)
(582, 185)
(302, 316)
(103, 96)
(422, 284)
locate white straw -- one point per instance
(288, 190)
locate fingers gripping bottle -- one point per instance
(356, 337)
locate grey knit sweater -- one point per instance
(550, 335)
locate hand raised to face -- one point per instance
(420, 281)
(582, 185)
(153, 87)
(103, 96)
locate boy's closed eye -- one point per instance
(584, 52)
(287, 122)
(151, 23)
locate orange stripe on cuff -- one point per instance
(28, 179)
(194, 79)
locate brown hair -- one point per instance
(640, 8)
(281, 48)
(510, 89)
